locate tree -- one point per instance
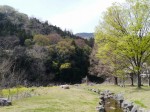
(41, 40)
(29, 42)
(146, 72)
(96, 66)
(39, 52)
(124, 33)
(65, 49)
(54, 38)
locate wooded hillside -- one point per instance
(33, 52)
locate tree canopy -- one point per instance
(123, 36)
(37, 52)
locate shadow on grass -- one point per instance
(143, 88)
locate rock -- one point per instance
(5, 102)
(125, 104)
(94, 90)
(120, 97)
(105, 97)
(91, 84)
(130, 107)
(77, 85)
(100, 108)
(65, 86)
(111, 96)
(107, 91)
(97, 91)
(102, 102)
(135, 109)
(51, 85)
(113, 108)
(102, 98)
(101, 93)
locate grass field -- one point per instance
(75, 99)
(56, 99)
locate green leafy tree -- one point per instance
(123, 36)
(65, 49)
(29, 42)
(65, 66)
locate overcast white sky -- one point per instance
(74, 15)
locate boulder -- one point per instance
(65, 86)
(120, 97)
(135, 109)
(94, 90)
(77, 85)
(5, 102)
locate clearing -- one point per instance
(75, 99)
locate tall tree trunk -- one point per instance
(139, 80)
(123, 82)
(149, 80)
(132, 80)
(115, 81)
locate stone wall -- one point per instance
(118, 103)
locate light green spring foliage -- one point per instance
(41, 40)
(13, 91)
(28, 42)
(65, 48)
(65, 65)
(123, 35)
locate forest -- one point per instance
(33, 52)
(36, 52)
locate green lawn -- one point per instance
(75, 99)
(56, 99)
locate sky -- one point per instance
(74, 15)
